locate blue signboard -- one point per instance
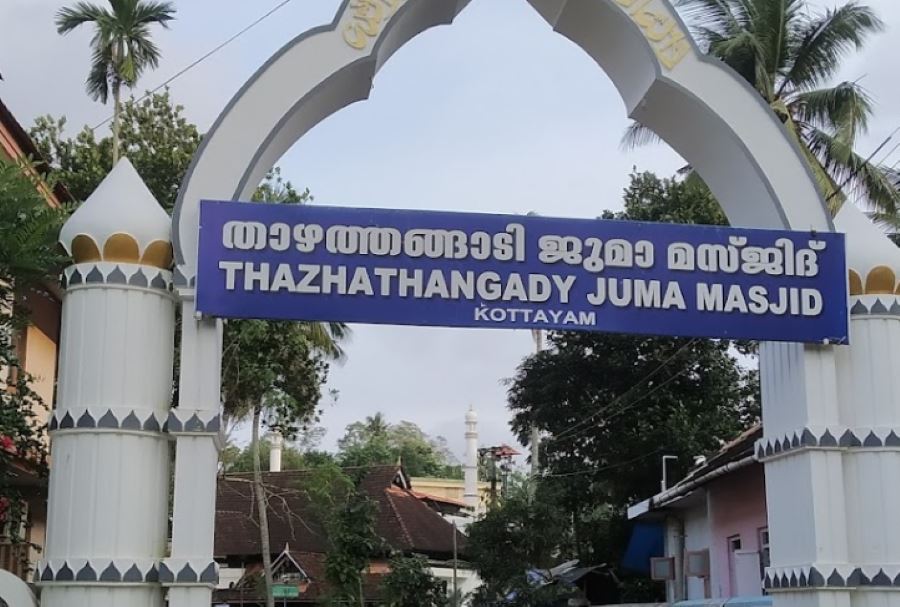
(316, 263)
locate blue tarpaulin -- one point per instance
(647, 541)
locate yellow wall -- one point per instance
(450, 488)
(40, 362)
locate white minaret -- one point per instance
(275, 452)
(835, 538)
(109, 478)
(471, 496)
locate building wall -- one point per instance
(696, 537)
(737, 507)
(448, 488)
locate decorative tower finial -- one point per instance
(873, 261)
(120, 222)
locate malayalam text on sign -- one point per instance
(304, 262)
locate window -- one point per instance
(734, 546)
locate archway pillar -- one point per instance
(190, 572)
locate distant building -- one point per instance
(408, 520)
(37, 347)
(716, 529)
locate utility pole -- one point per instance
(538, 335)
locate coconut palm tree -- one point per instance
(789, 53)
(122, 47)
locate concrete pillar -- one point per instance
(190, 572)
(470, 489)
(109, 478)
(832, 444)
(275, 452)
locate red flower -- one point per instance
(7, 444)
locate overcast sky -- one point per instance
(494, 113)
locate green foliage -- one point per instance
(649, 198)
(789, 52)
(155, 135)
(522, 532)
(375, 441)
(348, 517)
(234, 459)
(411, 584)
(28, 258)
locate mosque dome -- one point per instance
(120, 222)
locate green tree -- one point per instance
(411, 584)
(348, 517)
(374, 441)
(789, 52)
(524, 532)
(154, 134)
(29, 259)
(122, 49)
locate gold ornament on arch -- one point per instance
(122, 248)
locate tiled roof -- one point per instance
(404, 521)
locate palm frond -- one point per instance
(152, 12)
(843, 110)
(637, 135)
(824, 41)
(69, 18)
(855, 176)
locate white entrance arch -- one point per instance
(699, 106)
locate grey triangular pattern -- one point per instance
(803, 582)
(152, 424)
(180, 280)
(795, 441)
(187, 575)
(65, 574)
(158, 282)
(54, 423)
(117, 277)
(194, 424)
(776, 580)
(139, 279)
(87, 574)
(133, 575)
(836, 580)
(793, 581)
(895, 309)
(878, 308)
(108, 421)
(816, 579)
(808, 439)
(828, 440)
(173, 424)
(855, 578)
(897, 580)
(210, 575)
(892, 440)
(770, 451)
(111, 574)
(760, 452)
(882, 579)
(872, 440)
(86, 420)
(63, 281)
(214, 425)
(155, 575)
(94, 276)
(47, 575)
(848, 439)
(777, 448)
(164, 575)
(76, 278)
(131, 422)
(66, 422)
(859, 309)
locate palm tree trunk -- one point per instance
(117, 117)
(262, 506)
